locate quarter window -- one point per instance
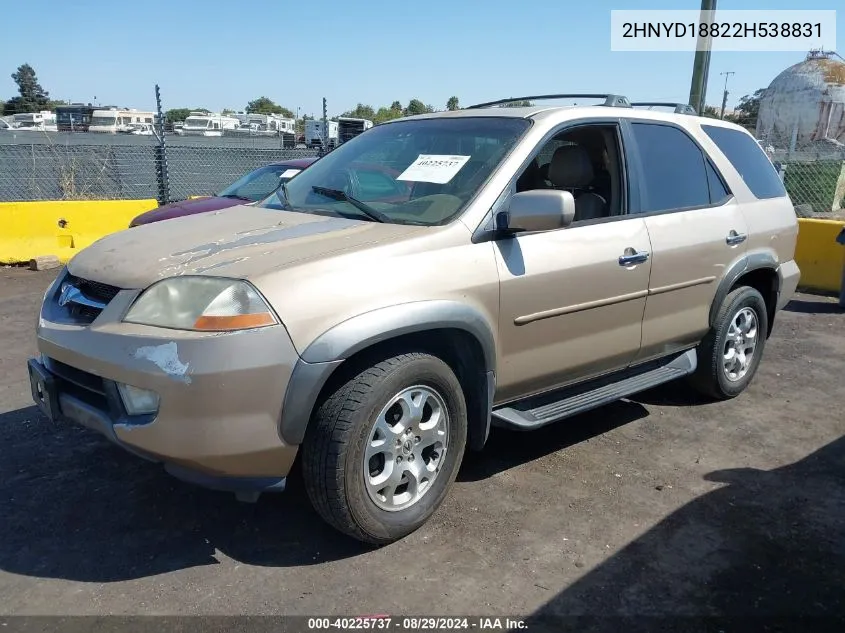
(674, 173)
(749, 160)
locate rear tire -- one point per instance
(730, 353)
(383, 448)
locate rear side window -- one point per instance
(674, 171)
(749, 160)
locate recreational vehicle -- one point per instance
(208, 124)
(44, 121)
(115, 120)
(75, 117)
(266, 125)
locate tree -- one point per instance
(265, 105)
(32, 97)
(415, 106)
(452, 104)
(748, 109)
(361, 111)
(710, 112)
(396, 105)
(521, 103)
(179, 114)
(387, 114)
(227, 111)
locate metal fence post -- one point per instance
(161, 155)
(325, 149)
(840, 239)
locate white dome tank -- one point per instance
(807, 99)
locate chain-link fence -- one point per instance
(813, 172)
(86, 166)
(94, 167)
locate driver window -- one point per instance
(585, 161)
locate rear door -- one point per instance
(772, 225)
(696, 228)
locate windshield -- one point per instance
(419, 172)
(196, 121)
(259, 184)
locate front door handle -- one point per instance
(735, 238)
(632, 257)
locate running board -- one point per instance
(542, 410)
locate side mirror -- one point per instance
(537, 210)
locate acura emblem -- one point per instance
(68, 294)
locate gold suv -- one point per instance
(433, 277)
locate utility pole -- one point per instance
(727, 74)
(701, 65)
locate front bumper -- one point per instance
(220, 395)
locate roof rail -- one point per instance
(680, 108)
(617, 101)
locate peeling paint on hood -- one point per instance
(240, 242)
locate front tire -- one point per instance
(730, 353)
(383, 448)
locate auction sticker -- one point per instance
(435, 168)
(290, 173)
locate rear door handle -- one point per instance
(734, 238)
(632, 257)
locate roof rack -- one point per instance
(616, 101)
(680, 108)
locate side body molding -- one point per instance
(330, 349)
(754, 260)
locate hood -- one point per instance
(240, 242)
(185, 207)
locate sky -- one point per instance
(220, 54)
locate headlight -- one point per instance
(201, 303)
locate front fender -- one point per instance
(330, 349)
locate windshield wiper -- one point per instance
(232, 196)
(363, 207)
(281, 194)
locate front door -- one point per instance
(569, 308)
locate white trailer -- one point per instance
(314, 133)
(349, 127)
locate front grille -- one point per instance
(89, 299)
(94, 289)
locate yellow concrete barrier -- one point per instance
(818, 255)
(61, 228)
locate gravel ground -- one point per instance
(657, 506)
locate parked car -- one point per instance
(532, 263)
(252, 187)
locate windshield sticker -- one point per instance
(290, 173)
(435, 168)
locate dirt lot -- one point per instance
(655, 506)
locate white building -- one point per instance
(804, 104)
